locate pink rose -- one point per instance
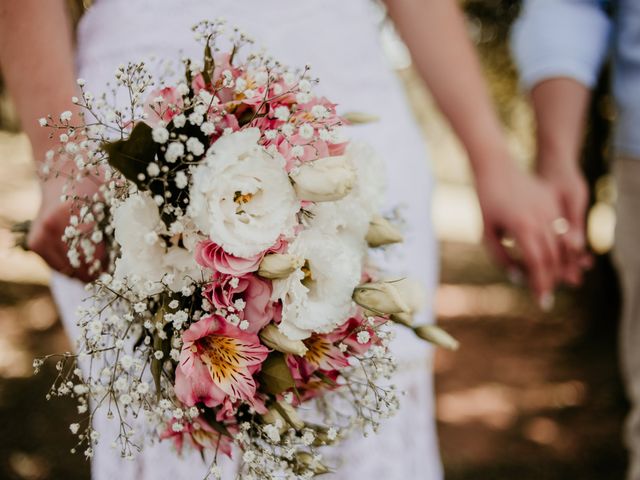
(259, 310)
(213, 256)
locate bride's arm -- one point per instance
(513, 203)
(37, 63)
(36, 55)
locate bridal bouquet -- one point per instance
(236, 291)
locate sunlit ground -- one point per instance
(528, 396)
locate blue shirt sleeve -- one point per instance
(561, 38)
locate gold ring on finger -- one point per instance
(560, 226)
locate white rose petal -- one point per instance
(241, 196)
(317, 298)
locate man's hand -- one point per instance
(570, 187)
(522, 207)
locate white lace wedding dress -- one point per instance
(340, 39)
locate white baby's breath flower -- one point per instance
(319, 111)
(174, 151)
(363, 337)
(65, 116)
(208, 128)
(181, 179)
(306, 131)
(287, 129)
(179, 120)
(182, 88)
(297, 150)
(160, 135)
(196, 118)
(153, 169)
(282, 113)
(195, 146)
(42, 122)
(241, 196)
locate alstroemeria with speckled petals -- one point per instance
(322, 354)
(200, 435)
(217, 362)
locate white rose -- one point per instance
(135, 220)
(241, 196)
(324, 180)
(317, 296)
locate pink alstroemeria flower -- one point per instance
(165, 111)
(217, 362)
(322, 354)
(200, 435)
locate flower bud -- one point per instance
(356, 118)
(278, 265)
(284, 416)
(437, 336)
(382, 232)
(402, 318)
(306, 461)
(400, 296)
(324, 180)
(272, 337)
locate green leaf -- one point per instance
(210, 417)
(275, 376)
(132, 156)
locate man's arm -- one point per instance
(560, 47)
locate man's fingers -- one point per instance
(539, 268)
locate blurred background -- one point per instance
(529, 395)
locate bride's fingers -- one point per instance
(496, 247)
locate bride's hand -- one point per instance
(47, 229)
(522, 207)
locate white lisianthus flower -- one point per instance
(241, 196)
(136, 221)
(317, 296)
(352, 214)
